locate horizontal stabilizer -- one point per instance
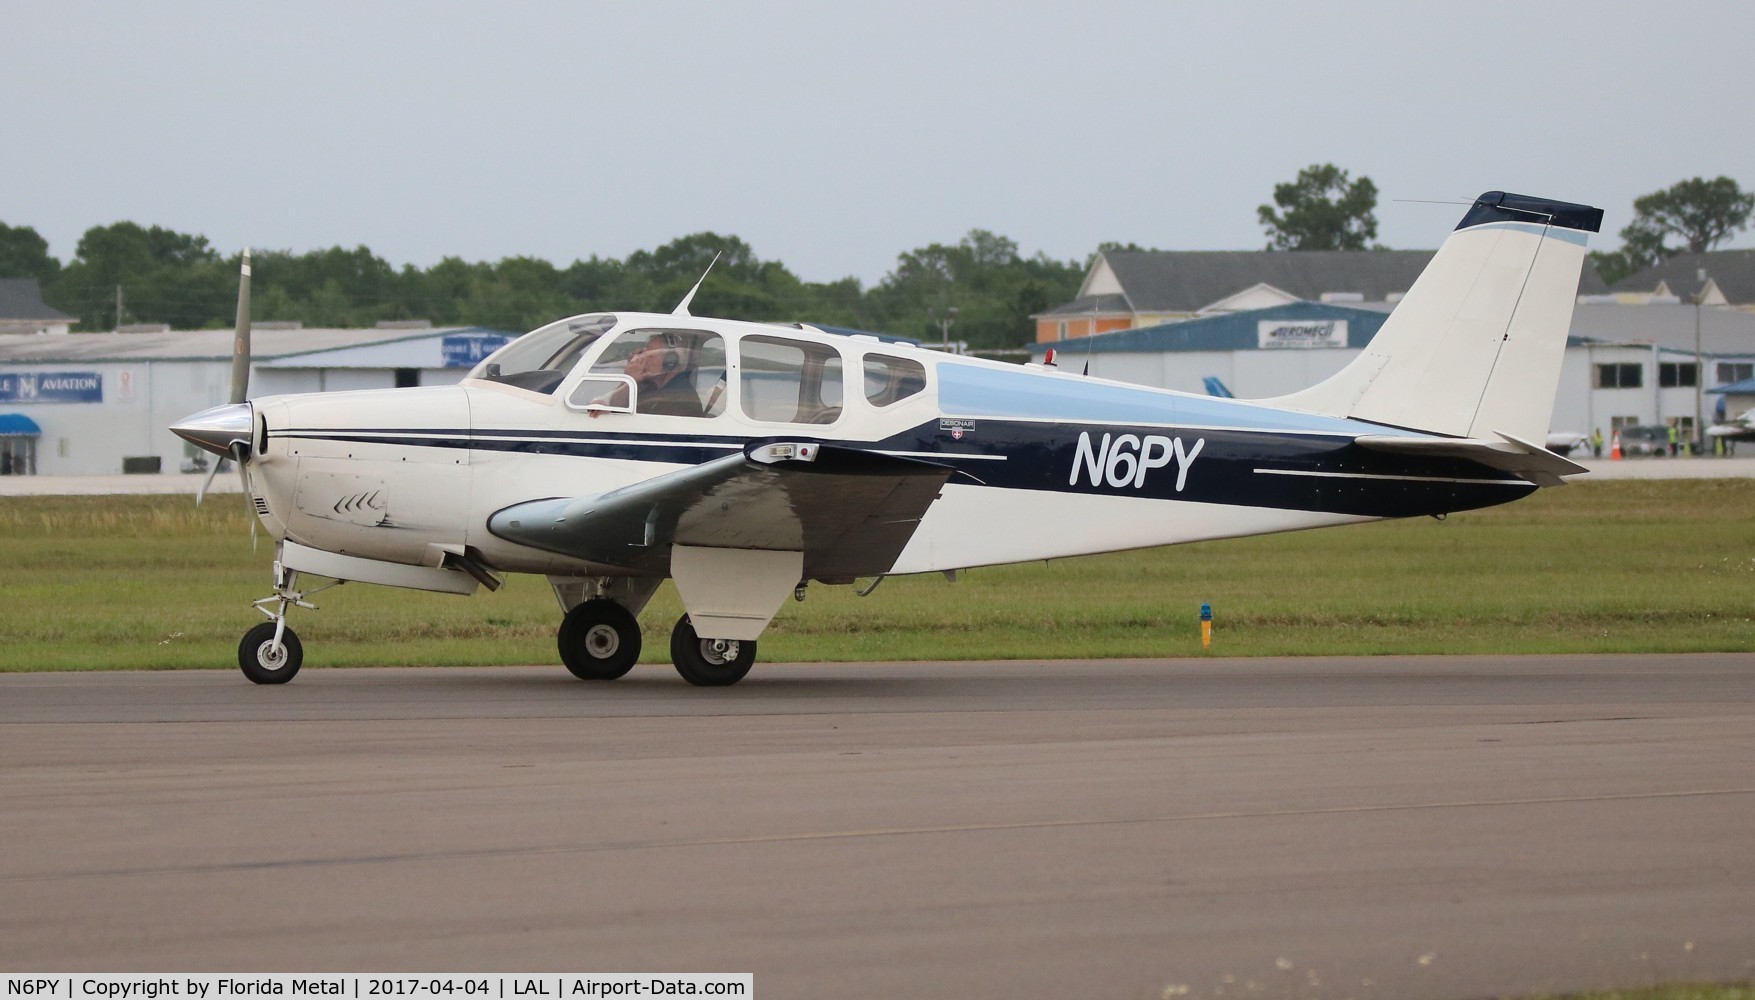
(1511, 454)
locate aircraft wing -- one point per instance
(1513, 454)
(850, 512)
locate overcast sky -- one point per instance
(833, 136)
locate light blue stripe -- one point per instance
(968, 391)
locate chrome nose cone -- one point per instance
(216, 428)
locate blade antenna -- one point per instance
(682, 308)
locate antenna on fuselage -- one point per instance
(682, 308)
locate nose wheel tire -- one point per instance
(599, 640)
(709, 662)
(265, 662)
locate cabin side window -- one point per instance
(889, 379)
(678, 373)
(789, 381)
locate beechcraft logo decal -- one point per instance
(957, 427)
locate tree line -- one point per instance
(178, 278)
(982, 284)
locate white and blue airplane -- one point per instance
(610, 451)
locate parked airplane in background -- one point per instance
(609, 451)
(1217, 387)
(1741, 428)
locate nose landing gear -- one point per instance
(271, 652)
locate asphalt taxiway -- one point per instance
(1398, 827)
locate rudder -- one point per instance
(1475, 347)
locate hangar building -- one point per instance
(1624, 364)
(1271, 322)
(100, 403)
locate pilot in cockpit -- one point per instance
(664, 373)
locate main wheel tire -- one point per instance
(709, 662)
(599, 640)
(262, 662)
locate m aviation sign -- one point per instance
(51, 387)
(466, 350)
(1274, 334)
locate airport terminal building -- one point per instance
(100, 403)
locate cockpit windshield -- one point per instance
(540, 359)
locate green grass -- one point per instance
(1622, 566)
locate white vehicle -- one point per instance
(610, 451)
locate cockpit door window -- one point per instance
(679, 373)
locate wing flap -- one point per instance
(850, 512)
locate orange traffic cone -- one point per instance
(1615, 447)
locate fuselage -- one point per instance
(1047, 463)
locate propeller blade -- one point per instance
(240, 452)
(241, 338)
(207, 483)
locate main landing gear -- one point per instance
(599, 640)
(709, 662)
(271, 653)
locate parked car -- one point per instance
(1645, 439)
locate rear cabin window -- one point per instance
(888, 379)
(679, 373)
(789, 381)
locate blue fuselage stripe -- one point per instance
(1288, 470)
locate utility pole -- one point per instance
(945, 320)
(1699, 368)
(118, 325)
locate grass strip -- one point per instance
(90, 583)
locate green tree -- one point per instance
(24, 254)
(178, 278)
(1698, 212)
(165, 276)
(992, 287)
(519, 293)
(1321, 210)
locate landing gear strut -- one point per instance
(271, 652)
(709, 662)
(599, 640)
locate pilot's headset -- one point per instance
(676, 352)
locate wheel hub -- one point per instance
(602, 641)
(719, 651)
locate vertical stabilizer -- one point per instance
(1474, 349)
